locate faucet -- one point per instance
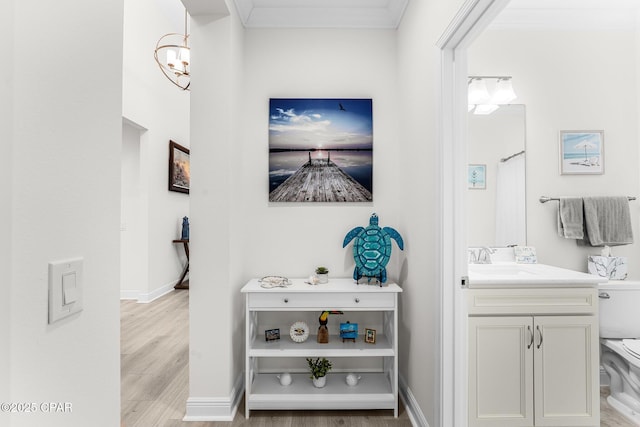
(484, 255)
(473, 257)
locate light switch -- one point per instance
(65, 288)
(69, 294)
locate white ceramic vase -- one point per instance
(320, 382)
(323, 278)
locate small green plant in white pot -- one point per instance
(323, 274)
(319, 368)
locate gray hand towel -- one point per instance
(570, 218)
(607, 221)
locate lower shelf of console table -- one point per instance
(372, 392)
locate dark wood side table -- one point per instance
(183, 284)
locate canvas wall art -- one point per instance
(320, 150)
(477, 177)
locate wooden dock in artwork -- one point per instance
(320, 180)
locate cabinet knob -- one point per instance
(286, 300)
(357, 300)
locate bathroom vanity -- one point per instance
(533, 346)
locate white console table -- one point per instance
(376, 390)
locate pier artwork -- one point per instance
(320, 180)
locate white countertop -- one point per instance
(334, 285)
(513, 275)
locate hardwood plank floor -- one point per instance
(154, 347)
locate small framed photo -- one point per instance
(272, 334)
(581, 152)
(179, 168)
(370, 336)
(477, 177)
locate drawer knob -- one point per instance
(357, 300)
(286, 300)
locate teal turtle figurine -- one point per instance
(372, 249)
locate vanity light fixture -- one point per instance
(173, 56)
(480, 98)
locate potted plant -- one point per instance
(323, 274)
(319, 368)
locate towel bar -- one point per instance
(545, 199)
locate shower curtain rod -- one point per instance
(512, 156)
(545, 199)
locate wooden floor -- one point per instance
(154, 348)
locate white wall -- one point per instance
(65, 203)
(155, 104)
(418, 76)
(134, 233)
(6, 193)
(239, 234)
(570, 80)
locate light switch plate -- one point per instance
(65, 288)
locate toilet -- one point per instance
(620, 344)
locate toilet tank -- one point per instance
(619, 309)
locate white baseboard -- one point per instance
(416, 416)
(147, 297)
(215, 408)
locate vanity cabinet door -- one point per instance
(566, 371)
(501, 371)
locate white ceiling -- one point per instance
(519, 14)
(568, 15)
(321, 13)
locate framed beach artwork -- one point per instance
(581, 152)
(320, 150)
(179, 168)
(477, 177)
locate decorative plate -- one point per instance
(299, 332)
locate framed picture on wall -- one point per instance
(477, 177)
(179, 168)
(320, 150)
(581, 152)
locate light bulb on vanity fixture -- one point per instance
(481, 102)
(174, 47)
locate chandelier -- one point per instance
(173, 55)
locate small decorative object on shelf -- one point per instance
(274, 282)
(322, 274)
(185, 228)
(285, 378)
(352, 379)
(370, 336)
(272, 334)
(319, 369)
(299, 332)
(372, 249)
(348, 331)
(323, 331)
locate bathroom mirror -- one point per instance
(496, 207)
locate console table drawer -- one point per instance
(293, 301)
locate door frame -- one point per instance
(472, 18)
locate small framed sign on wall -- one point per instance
(477, 177)
(179, 168)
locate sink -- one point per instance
(512, 274)
(498, 269)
